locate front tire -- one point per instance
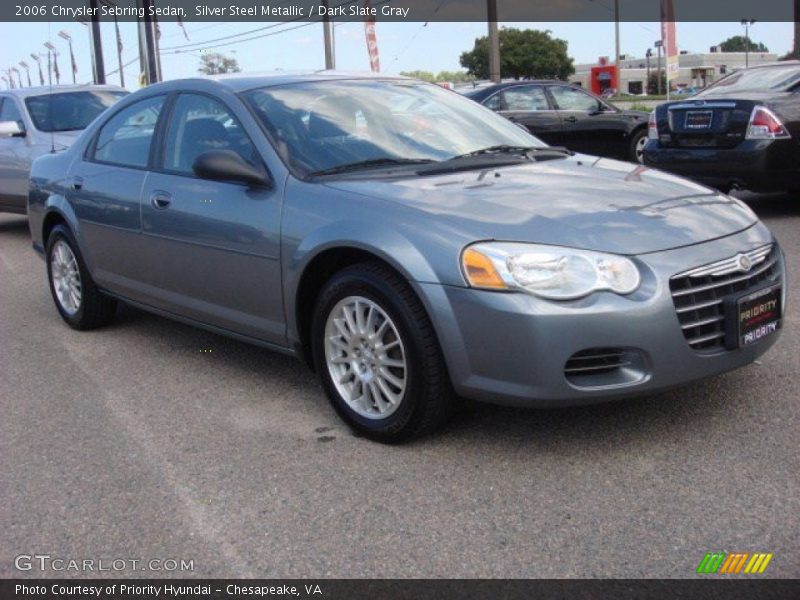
(79, 302)
(377, 355)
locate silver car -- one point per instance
(411, 256)
(35, 121)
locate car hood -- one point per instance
(60, 140)
(582, 202)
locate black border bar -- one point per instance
(542, 11)
(711, 587)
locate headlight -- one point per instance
(548, 271)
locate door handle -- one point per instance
(571, 119)
(77, 183)
(160, 200)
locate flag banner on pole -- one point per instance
(668, 37)
(119, 37)
(56, 72)
(182, 25)
(372, 40)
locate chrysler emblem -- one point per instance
(745, 264)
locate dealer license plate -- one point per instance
(758, 315)
(699, 119)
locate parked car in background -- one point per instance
(34, 121)
(565, 115)
(687, 91)
(328, 216)
(741, 132)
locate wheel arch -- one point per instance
(316, 270)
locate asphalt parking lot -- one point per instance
(153, 440)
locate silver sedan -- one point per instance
(411, 245)
(35, 121)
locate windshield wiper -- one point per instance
(508, 149)
(370, 163)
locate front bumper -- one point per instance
(512, 348)
(762, 165)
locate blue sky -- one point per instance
(403, 46)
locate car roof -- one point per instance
(487, 90)
(240, 82)
(59, 89)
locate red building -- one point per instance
(604, 77)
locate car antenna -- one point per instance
(50, 48)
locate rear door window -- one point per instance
(125, 139)
(525, 98)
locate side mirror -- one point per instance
(11, 129)
(227, 165)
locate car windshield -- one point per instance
(319, 126)
(757, 80)
(69, 111)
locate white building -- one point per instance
(695, 69)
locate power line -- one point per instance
(243, 33)
(208, 44)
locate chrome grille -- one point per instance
(699, 295)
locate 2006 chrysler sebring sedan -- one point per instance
(411, 245)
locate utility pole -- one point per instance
(747, 24)
(647, 56)
(327, 30)
(494, 41)
(658, 45)
(616, 35)
(99, 67)
(797, 29)
(149, 58)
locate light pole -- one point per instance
(65, 36)
(494, 41)
(658, 44)
(19, 75)
(647, 56)
(38, 60)
(52, 63)
(24, 65)
(747, 24)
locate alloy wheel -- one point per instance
(66, 277)
(365, 357)
(640, 144)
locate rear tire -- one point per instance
(638, 142)
(77, 299)
(377, 355)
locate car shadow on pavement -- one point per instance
(768, 206)
(640, 422)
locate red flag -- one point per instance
(669, 40)
(372, 41)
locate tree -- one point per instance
(451, 76)
(423, 75)
(738, 43)
(524, 53)
(652, 82)
(214, 63)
